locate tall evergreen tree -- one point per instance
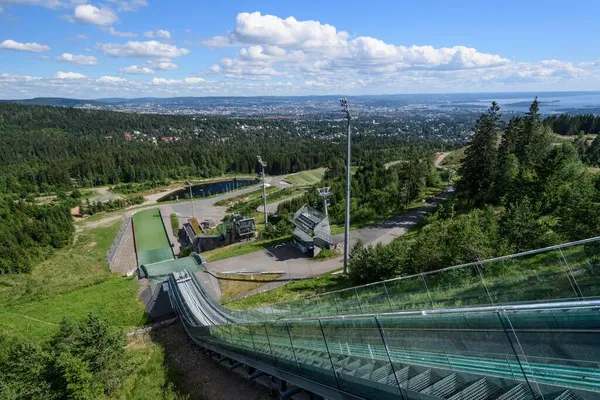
(480, 162)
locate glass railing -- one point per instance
(441, 353)
(566, 272)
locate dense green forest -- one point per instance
(54, 148)
(520, 189)
(30, 232)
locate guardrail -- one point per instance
(112, 252)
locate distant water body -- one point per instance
(550, 103)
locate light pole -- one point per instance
(263, 164)
(192, 200)
(346, 110)
(325, 192)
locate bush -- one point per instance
(81, 361)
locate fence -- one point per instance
(468, 354)
(112, 252)
(569, 271)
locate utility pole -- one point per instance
(325, 192)
(346, 110)
(192, 200)
(263, 164)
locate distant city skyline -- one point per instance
(145, 48)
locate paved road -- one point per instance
(272, 207)
(295, 265)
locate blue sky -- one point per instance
(113, 48)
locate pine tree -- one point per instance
(481, 157)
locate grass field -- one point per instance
(70, 283)
(239, 249)
(293, 290)
(149, 231)
(454, 159)
(306, 178)
(233, 285)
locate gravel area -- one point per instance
(198, 376)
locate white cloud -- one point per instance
(255, 28)
(150, 48)
(186, 81)
(80, 37)
(43, 3)
(115, 32)
(89, 14)
(161, 33)
(1, 10)
(111, 79)
(590, 63)
(78, 59)
(134, 69)
(130, 5)
(279, 47)
(164, 64)
(69, 75)
(12, 45)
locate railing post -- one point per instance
(292, 345)
(427, 289)
(357, 300)
(502, 316)
(329, 353)
(388, 296)
(269, 342)
(387, 352)
(575, 285)
(251, 337)
(480, 273)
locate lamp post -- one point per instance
(263, 164)
(325, 192)
(346, 110)
(192, 200)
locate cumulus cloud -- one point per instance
(89, 14)
(150, 48)
(590, 63)
(34, 47)
(274, 46)
(186, 81)
(129, 5)
(77, 59)
(163, 64)
(161, 33)
(69, 75)
(115, 32)
(111, 79)
(134, 69)
(255, 28)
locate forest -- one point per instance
(45, 149)
(520, 188)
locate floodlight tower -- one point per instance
(346, 110)
(325, 192)
(192, 200)
(263, 164)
